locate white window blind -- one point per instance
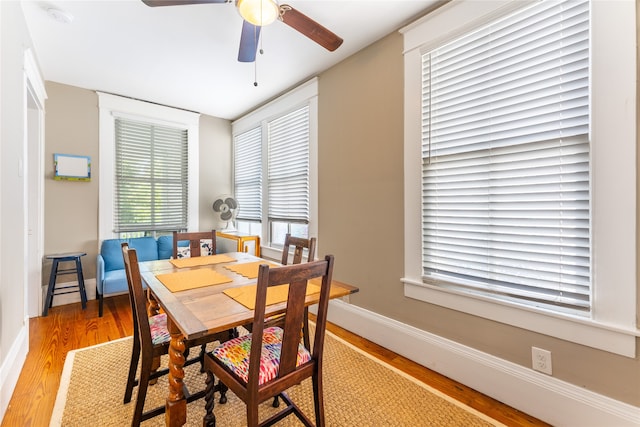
(288, 171)
(151, 182)
(248, 174)
(505, 175)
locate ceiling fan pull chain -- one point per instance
(261, 15)
(255, 62)
(255, 72)
(261, 26)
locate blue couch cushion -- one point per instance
(111, 251)
(115, 281)
(146, 248)
(112, 254)
(165, 247)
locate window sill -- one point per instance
(275, 254)
(268, 252)
(610, 338)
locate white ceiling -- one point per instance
(186, 56)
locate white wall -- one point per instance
(14, 39)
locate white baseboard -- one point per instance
(89, 287)
(549, 399)
(12, 366)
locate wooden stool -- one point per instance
(55, 272)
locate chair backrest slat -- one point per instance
(293, 320)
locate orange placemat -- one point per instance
(249, 269)
(200, 260)
(184, 280)
(246, 295)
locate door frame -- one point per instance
(33, 170)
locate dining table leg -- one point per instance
(176, 404)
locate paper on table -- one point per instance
(191, 279)
(246, 295)
(249, 269)
(201, 260)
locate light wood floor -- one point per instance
(69, 327)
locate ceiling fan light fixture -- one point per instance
(258, 12)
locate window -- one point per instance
(274, 167)
(151, 180)
(247, 167)
(505, 166)
(148, 168)
(288, 176)
(517, 187)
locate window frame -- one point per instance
(612, 326)
(112, 106)
(304, 95)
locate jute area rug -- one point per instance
(358, 389)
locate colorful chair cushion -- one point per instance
(159, 330)
(235, 355)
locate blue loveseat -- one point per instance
(110, 275)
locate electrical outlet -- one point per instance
(541, 360)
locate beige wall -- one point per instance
(71, 208)
(361, 223)
(360, 159)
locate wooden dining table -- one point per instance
(196, 310)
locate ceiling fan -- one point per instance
(258, 13)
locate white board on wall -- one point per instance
(72, 167)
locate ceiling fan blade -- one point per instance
(154, 3)
(248, 42)
(310, 28)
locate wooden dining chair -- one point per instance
(269, 361)
(299, 245)
(150, 341)
(198, 243)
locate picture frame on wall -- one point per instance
(71, 167)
